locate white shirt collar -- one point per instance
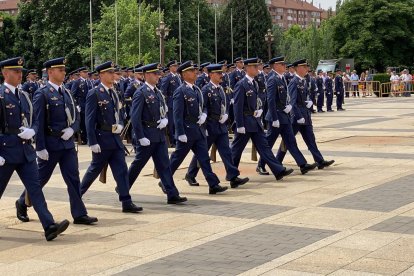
(280, 75)
(249, 78)
(189, 84)
(106, 88)
(150, 86)
(299, 77)
(214, 86)
(55, 86)
(11, 87)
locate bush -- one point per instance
(382, 77)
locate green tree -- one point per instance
(7, 36)
(377, 33)
(128, 34)
(259, 23)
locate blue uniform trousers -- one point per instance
(286, 131)
(29, 175)
(223, 147)
(309, 137)
(265, 151)
(159, 153)
(329, 100)
(320, 100)
(69, 168)
(116, 160)
(200, 150)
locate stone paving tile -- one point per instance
(398, 224)
(365, 154)
(195, 206)
(235, 253)
(358, 123)
(383, 198)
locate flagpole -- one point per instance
(247, 37)
(90, 25)
(179, 27)
(215, 29)
(198, 34)
(231, 31)
(116, 32)
(139, 32)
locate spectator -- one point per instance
(362, 84)
(407, 79)
(345, 79)
(354, 83)
(395, 83)
(369, 79)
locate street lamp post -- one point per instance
(162, 32)
(269, 38)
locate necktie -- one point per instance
(16, 93)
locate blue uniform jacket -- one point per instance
(79, 91)
(245, 101)
(329, 86)
(30, 87)
(186, 106)
(100, 113)
(12, 148)
(260, 79)
(277, 99)
(50, 116)
(132, 88)
(214, 99)
(339, 84)
(202, 80)
(169, 84)
(299, 94)
(146, 112)
(235, 77)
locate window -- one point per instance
(279, 10)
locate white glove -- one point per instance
(309, 104)
(276, 124)
(43, 154)
(258, 113)
(223, 118)
(182, 138)
(206, 132)
(96, 148)
(232, 101)
(201, 119)
(78, 108)
(301, 121)
(144, 142)
(162, 123)
(27, 133)
(67, 133)
(287, 109)
(2, 161)
(118, 129)
(241, 130)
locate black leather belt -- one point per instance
(248, 113)
(213, 117)
(104, 127)
(54, 133)
(9, 131)
(153, 124)
(191, 119)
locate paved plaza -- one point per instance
(354, 218)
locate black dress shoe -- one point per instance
(191, 180)
(162, 187)
(325, 163)
(262, 171)
(237, 181)
(131, 208)
(85, 220)
(176, 200)
(321, 111)
(341, 109)
(56, 229)
(21, 211)
(217, 189)
(117, 190)
(330, 110)
(284, 173)
(307, 167)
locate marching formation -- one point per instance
(184, 106)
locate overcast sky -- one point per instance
(324, 3)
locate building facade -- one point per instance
(9, 6)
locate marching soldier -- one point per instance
(261, 82)
(203, 78)
(339, 90)
(79, 91)
(57, 119)
(247, 113)
(16, 152)
(189, 118)
(266, 71)
(103, 124)
(31, 85)
(148, 117)
(168, 85)
(329, 92)
(238, 73)
(290, 74)
(217, 114)
(135, 83)
(278, 117)
(320, 95)
(302, 122)
(312, 88)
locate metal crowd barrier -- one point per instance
(397, 89)
(362, 88)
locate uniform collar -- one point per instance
(214, 86)
(250, 79)
(11, 87)
(150, 86)
(106, 88)
(300, 78)
(55, 86)
(189, 84)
